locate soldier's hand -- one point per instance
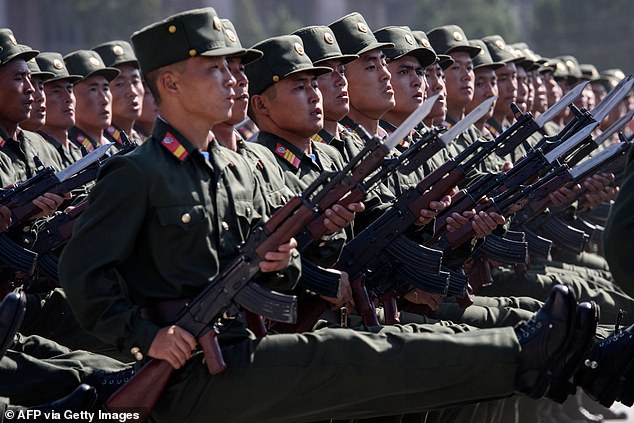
(344, 294)
(338, 217)
(457, 220)
(484, 223)
(507, 166)
(279, 260)
(565, 195)
(5, 218)
(174, 345)
(48, 203)
(435, 207)
(418, 296)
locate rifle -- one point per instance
(19, 198)
(234, 284)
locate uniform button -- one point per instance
(225, 226)
(186, 218)
(136, 352)
(27, 228)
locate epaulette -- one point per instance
(287, 155)
(115, 133)
(172, 145)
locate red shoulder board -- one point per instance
(170, 142)
(287, 155)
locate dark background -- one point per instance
(595, 31)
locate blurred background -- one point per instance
(600, 32)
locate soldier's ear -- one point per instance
(168, 82)
(260, 104)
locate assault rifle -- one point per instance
(234, 284)
(19, 198)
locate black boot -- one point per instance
(82, 398)
(606, 375)
(107, 383)
(544, 338)
(586, 320)
(12, 310)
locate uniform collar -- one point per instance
(287, 151)
(116, 134)
(80, 138)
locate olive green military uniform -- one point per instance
(68, 156)
(160, 237)
(618, 237)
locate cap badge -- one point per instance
(329, 38)
(13, 40)
(191, 52)
(409, 39)
(570, 64)
(117, 50)
(230, 35)
(499, 44)
(217, 24)
(425, 43)
(457, 36)
(171, 29)
(57, 64)
(362, 27)
(276, 78)
(299, 48)
(94, 62)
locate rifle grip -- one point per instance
(362, 302)
(143, 390)
(211, 349)
(255, 323)
(390, 308)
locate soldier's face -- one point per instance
(459, 80)
(94, 103)
(60, 104)
(16, 92)
(485, 87)
(507, 87)
(334, 91)
(369, 84)
(37, 117)
(522, 89)
(435, 77)
(241, 99)
(553, 90)
(296, 108)
(205, 90)
(540, 103)
(408, 82)
(127, 94)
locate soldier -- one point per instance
(60, 106)
(127, 92)
(94, 99)
(168, 228)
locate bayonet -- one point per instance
(83, 163)
(410, 123)
(465, 123)
(572, 143)
(558, 107)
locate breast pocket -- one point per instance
(182, 217)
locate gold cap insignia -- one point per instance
(230, 35)
(329, 38)
(172, 29)
(457, 36)
(57, 64)
(276, 78)
(94, 62)
(499, 44)
(117, 50)
(409, 39)
(299, 49)
(217, 24)
(362, 27)
(425, 43)
(191, 52)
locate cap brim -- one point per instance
(44, 75)
(374, 46)
(25, 55)
(444, 61)
(425, 56)
(472, 51)
(249, 55)
(70, 78)
(493, 65)
(224, 51)
(344, 58)
(317, 70)
(108, 73)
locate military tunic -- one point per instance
(156, 254)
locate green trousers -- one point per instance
(343, 373)
(36, 370)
